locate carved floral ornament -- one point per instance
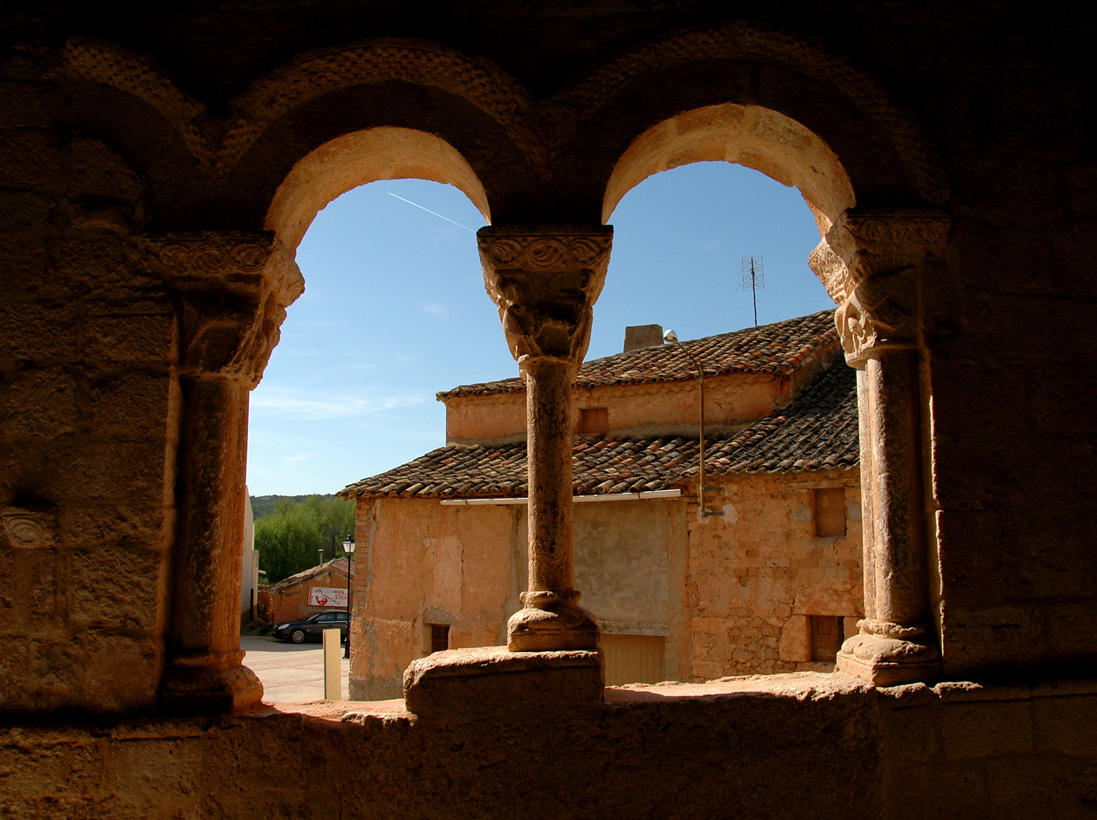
(27, 529)
(873, 263)
(544, 283)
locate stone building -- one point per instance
(317, 589)
(679, 592)
(157, 172)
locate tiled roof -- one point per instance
(818, 431)
(779, 348)
(338, 564)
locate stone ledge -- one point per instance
(460, 685)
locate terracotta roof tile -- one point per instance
(817, 431)
(777, 348)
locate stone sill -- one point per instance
(793, 686)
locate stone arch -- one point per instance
(359, 158)
(743, 96)
(882, 148)
(375, 97)
(758, 138)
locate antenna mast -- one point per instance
(754, 278)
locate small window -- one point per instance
(439, 637)
(593, 420)
(830, 511)
(826, 637)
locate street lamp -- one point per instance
(348, 548)
(672, 338)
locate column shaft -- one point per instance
(544, 280)
(549, 449)
(899, 557)
(204, 672)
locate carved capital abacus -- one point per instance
(885, 255)
(544, 281)
(235, 288)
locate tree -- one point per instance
(290, 538)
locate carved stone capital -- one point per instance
(544, 281)
(880, 242)
(235, 288)
(878, 317)
(875, 263)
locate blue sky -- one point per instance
(394, 309)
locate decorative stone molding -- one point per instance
(544, 281)
(28, 529)
(417, 62)
(109, 65)
(753, 44)
(235, 288)
(889, 240)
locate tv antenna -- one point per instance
(754, 277)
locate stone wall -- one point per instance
(757, 570)
(140, 158)
(730, 593)
(764, 747)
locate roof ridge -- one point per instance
(779, 347)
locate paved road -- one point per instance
(291, 673)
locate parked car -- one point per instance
(311, 629)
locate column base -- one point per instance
(551, 622)
(460, 685)
(887, 654)
(209, 684)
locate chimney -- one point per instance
(637, 336)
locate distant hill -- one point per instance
(264, 504)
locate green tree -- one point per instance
(290, 538)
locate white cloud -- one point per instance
(435, 309)
(291, 404)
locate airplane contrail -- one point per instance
(429, 211)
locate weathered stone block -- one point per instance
(42, 404)
(22, 210)
(1065, 725)
(117, 587)
(130, 406)
(38, 332)
(136, 333)
(89, 527)
(33, 160)
(119, 672)
(986, 729)
(54, 667)
(463, 685)
(100, 172)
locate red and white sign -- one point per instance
(328, 596)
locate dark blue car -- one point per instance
(311, 629)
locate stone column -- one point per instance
(545, 280)
(232, 293)
(880, 323)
